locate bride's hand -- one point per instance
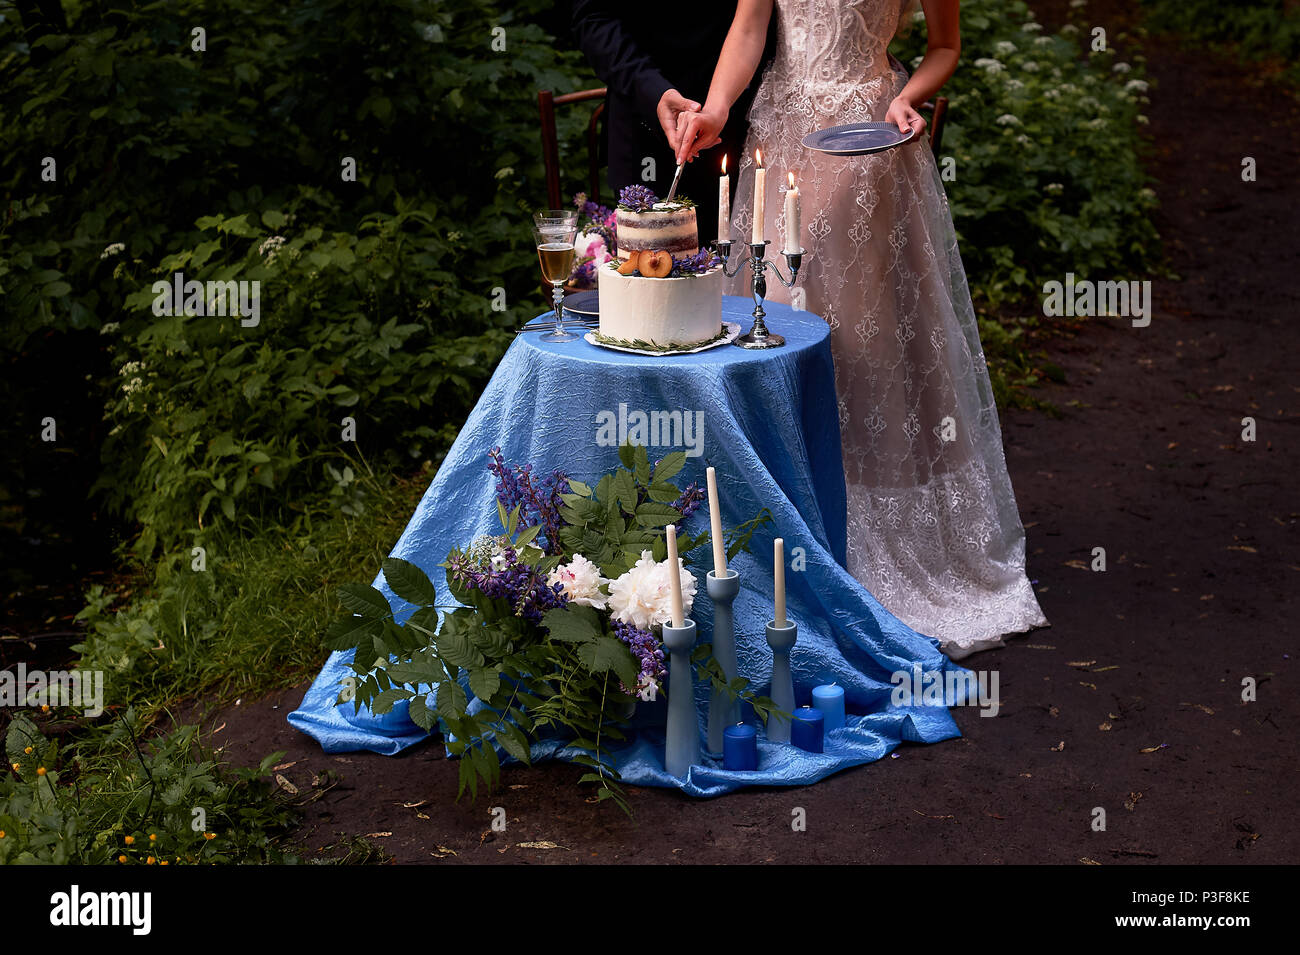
(902, 115)
(700, 131)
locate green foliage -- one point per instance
(499, 681)
(251, 621)
(376, 294)
(138, 806)
(737, 688)
(1257, 30)
(1046, 143)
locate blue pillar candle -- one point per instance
(740, 747)
(682, 737)
(781, 639)
(807, 729)
(830, 700)
(723, 711)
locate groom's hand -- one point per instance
(671, 105)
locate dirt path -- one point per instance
(1147, 461)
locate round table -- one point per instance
(767, 420)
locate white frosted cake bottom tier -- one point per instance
(680, 311)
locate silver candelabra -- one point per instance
(758, 336)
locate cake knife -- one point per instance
(672, 190)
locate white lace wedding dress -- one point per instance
(933, 530)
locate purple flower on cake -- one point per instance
(697, 264)
(637, 198)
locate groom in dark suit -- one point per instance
(656, 67)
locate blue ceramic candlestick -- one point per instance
(723, 710)
(682, 746)
(781, 639)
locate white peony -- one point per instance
(587, 245)
(643, 595)
(581, 581)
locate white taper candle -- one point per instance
(760, 197)
(778, 569)
(792, 224)
(724, 204)
(675, 578)
(715, 526)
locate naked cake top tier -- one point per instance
(666, 226)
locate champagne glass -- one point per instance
(555, 231)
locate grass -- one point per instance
(248, 623)
(252, 621)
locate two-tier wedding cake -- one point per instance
(662, 292)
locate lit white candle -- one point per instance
(724, 204)
(779, 573)
(715, 526)
(792, 231)
(675, 578)
(760, 197)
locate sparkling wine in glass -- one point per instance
(557, 261)
(554, 231)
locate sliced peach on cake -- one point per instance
(655, 264)
(629, 266)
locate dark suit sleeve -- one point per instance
(615, 56)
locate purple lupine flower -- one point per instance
(503, 577)
(689, 501)
(593, 211)
(696, 264)
(638, 198)
(646, 649)
(540, 500)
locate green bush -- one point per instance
(1258, 30)
(162, 802)
(1045, 147)
(380, 297)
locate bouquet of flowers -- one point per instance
(556, 624)
(596, 244)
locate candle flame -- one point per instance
(758, 156)
(724, 164)
(791, 180)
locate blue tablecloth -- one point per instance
(770, 427)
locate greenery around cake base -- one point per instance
(655, 346)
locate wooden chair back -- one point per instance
(546, 103)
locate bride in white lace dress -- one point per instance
(934, 532)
